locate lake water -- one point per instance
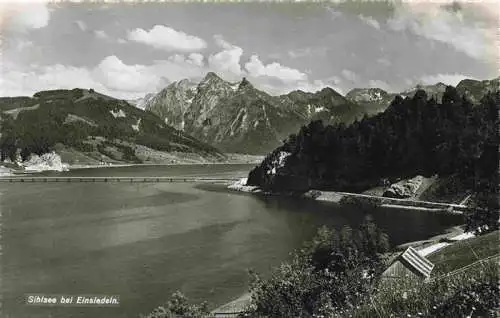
(145, 241)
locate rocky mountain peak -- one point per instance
(212, 82)
(328, 91)
(245, 84)
(186, 83)
(211, 77)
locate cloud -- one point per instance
(256, 68)
(196, 59)
(226, 61)
(23, 16)
(121, 41)
(110, 76)
(116, 75)
(332, 81)
(384, 61)
(369, 21)
(449, 79)
(168, 39)
(81, 25)
(349, 75)
(333, 13)
(100, 34)
(380, 84)
(17, 82)
(308, 52)
(219, 40)
(21, 45)
(447, 26)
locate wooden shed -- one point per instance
(409, 265)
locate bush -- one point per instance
(178, 306)
(474, 293)
(367, 203)
(486, 214)
(330, 274)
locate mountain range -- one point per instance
(186, 120)
(237, 117)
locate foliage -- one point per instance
(71, 117)
(474, 293)
(413, 136)
(465, 252)
(333, 272)
(178, 306)
(485, 216)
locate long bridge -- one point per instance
(30, 179)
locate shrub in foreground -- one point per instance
(474, 293)
(179, 306)
(333, 273)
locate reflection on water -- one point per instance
(144, 241)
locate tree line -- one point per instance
(414, 136)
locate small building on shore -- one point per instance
(409, 265)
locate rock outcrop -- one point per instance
(46, 162)
(404, 189)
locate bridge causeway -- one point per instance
(29, 179)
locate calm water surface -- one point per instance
(145, 241)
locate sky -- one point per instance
(130, 49)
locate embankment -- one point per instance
(344, 197)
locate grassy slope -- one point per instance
(472, 291)
(94, 111)
(465, 252)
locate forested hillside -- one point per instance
(89, 123)
(413, 136)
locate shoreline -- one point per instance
(339, 197)
(425, 246)
(76, 167)
(67, 167)
(60, 165)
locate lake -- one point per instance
(145, 241)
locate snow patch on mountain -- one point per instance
(235, 86)
(369, 96)
(118, 114)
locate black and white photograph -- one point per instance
(295, 159)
